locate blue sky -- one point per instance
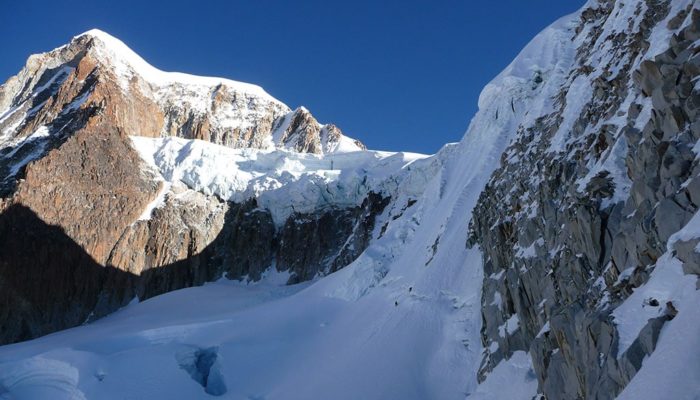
(398, 75)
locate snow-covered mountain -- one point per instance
(98, 74)
(552, 252)
(155, 181)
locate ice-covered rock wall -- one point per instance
(589, 195)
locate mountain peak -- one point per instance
(127, 62)
(99, 34)
(98, 78)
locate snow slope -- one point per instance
(672, 371)
(319, 335)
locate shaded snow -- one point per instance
(40, 378)
(578, 95)
(510, 326)
(512, 380)
(667, 283)
(672, 371)
(6, 135)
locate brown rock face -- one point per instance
(74, 250)
(181, 229)
(47, 281)
(313, 244)
(91, 186)
(301, 132)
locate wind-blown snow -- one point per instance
(128, 62)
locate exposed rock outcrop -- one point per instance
(578, 213)
(48, 281)
(301, 132)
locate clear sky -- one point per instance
(398, 75)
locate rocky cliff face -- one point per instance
(588, 196)
(71, 174)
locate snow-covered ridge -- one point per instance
(127, 62)
(151, 102)
(228, 105)
(281, 181)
